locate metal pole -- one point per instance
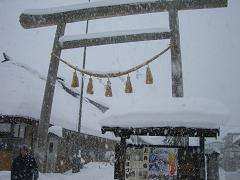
(82, 83)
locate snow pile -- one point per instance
(57, 130)
(96, 171)
(174, 112)
(101, 171)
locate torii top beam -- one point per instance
(105, 9)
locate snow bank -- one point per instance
(91, 171)
(57, 130)
(96, 171)
(174, 112)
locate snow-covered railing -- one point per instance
(95, 39)
(95, 10)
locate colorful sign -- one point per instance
(162, 162)
(150, 163)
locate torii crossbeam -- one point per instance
(106, 9)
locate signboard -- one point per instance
(151, 163)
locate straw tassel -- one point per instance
(75, 82)
(90, 86)
(128, 87)
(149, 77)
(108, 92)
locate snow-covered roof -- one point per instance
(21, 94)
(172, 112)
(57, 130)
(236, 139)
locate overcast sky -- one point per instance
(209, 41)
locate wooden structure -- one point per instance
(14, 131)
(185, 153)
(213, 165)
(17, 130)
(231, 152)
(90, 11)
(61, 150)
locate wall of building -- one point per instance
(12, 135)
(231, 153)
(92, 148)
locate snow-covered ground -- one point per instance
(229, 175)
(204, 62)
(101, 171)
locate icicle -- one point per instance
(108, 92)
(90, 86)
(149, 78)
(75, 82)
(128, 87)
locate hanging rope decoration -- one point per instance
(90, 86)
(108, 92)
(75, 82)
(128, 87)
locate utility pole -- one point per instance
(82, 82)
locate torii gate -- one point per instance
(107, 9)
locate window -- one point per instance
(5, 127)
(16, 130)
(50, 147)
(19, 130)
(22, 131)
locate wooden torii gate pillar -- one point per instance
(59, 17)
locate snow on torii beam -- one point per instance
(86, 40)
(105, 9)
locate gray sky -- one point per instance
(209, 41)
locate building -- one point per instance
(15, 130)
(62, 145)
(20, 106)
(231, 152)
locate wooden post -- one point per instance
(48, 99)
(202, 156)
(122, 158)
(177, 80)
(176, 62)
